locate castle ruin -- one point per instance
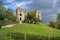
(21, 14)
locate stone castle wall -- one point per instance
(21, 14)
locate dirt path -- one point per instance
(9, 25)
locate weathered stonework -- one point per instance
(38, 15)
(22, 13)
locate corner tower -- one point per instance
(38, 14)
(21, 15)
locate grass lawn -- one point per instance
(32, 29)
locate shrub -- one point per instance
(2, 23)
(53, 24)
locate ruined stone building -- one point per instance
(22, 13)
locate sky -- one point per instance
(49, 8)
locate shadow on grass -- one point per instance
(22, 36)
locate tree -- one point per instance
(10, 16)
(58, 20)
(5, 15)
(2, 23)
(2, 11)
(2, 14)
(31, 18)
(53, 24)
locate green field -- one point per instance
(32, 29)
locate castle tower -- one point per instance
(38, 15)
(21, 15)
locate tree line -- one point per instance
(7, 16)
(55, 24)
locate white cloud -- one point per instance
(9, 1)
(23, 3)
(54, 3)
(6, 6)
(9, 6)
(14, 5)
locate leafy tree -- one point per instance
(58, 16)
(2, 23)
(2, 11)
(2, 14)
(58, 20)
(10, 16)
(5, 15)
(31, 18)
(53, 24)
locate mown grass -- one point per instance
(32, 29)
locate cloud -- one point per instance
(54, 3)
(14, 5)
(40, 5)
(30, 4)
(49, 8)
(20, 4)
(9, 1)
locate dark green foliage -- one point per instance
(2, 11)
(31, 18)
(53, 24)
(2, 14)
(2, 23)
(6, 17)
(58, 20)
(58, 16)
(10, 16)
